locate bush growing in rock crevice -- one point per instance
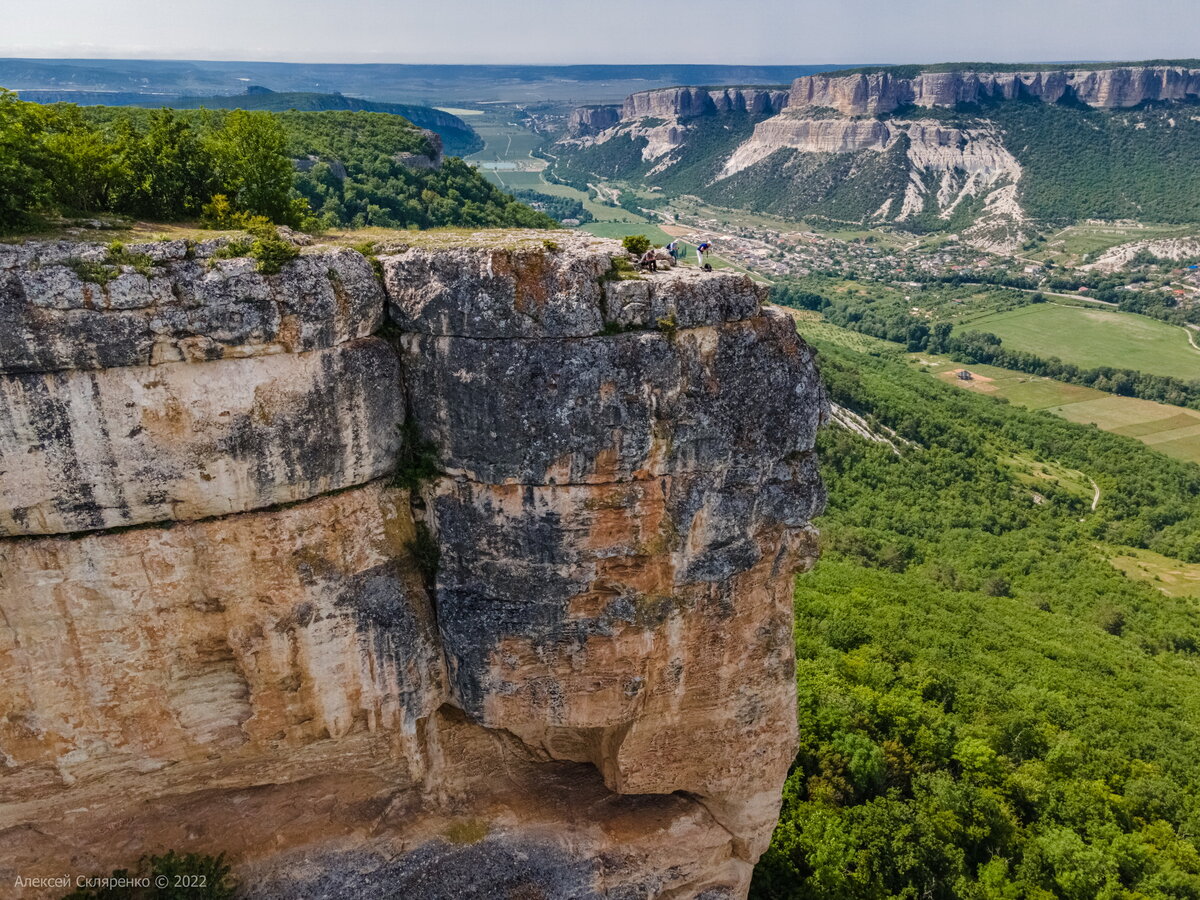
(416, 460)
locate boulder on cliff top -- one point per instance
(569, 290)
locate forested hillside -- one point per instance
(458, 138)
(360, 177)
(307, 169)
(988, 708)
(1081, 163)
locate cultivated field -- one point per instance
(1094, 337)
(507, 143)
(1169, 429)
(813, 326)
(1172, 430)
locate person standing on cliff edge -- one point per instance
(702, 250)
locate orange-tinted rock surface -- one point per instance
(562, 668)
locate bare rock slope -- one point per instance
(562, 667)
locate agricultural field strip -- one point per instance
(1094, 337)
(1169, 429)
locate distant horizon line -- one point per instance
(572, 65)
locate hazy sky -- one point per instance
(604, 31)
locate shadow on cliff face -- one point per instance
(501, 867)
(395, 623)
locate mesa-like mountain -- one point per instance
(980, 148)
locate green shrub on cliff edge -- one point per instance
(637, 244)
(171, 876)
(264, 244)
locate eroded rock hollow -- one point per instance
(476, 580)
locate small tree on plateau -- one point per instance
(637, 244)
(20, 178)
(252, 166)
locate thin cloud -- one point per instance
(611, 31)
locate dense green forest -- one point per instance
(1079, 163)
(167, 165)
(358, 179)
(458, 138)
(158, 165)
(556, 207)
(988, 708)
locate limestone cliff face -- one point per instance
(947, 165)
(687, 102)
(591, 694)
(592, 119)
(665, 117)
(869, 94)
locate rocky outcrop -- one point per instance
(688, 102)
(138, 444)
(664, 118)
(562, 667)
(932, 146)
(963, 172)
(592, 119)
(795, 132)
(186, 306)
(1114, 259)
(873, 93)
(430, 160)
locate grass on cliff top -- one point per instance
(125, 231)
(434, 238)
(389, 240)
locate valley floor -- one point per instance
(1091, 337)
(1172, 430)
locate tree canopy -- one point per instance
(305, 169)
